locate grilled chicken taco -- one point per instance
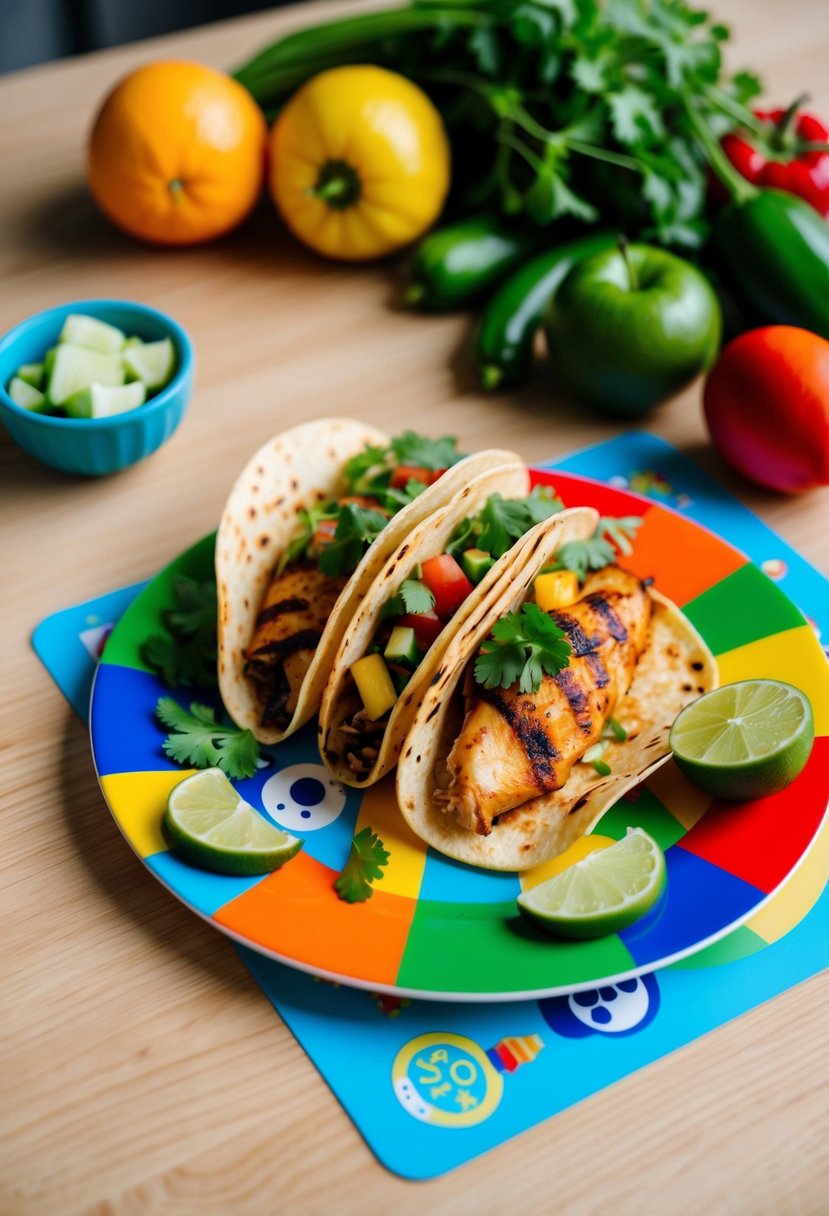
(312, 518)
(433, 583)
(548, 706)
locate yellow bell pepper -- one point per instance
(374, 684)
(360, 163)
(556, 589)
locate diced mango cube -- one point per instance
(374, 684)
(556, 589)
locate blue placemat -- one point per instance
(431, 1085)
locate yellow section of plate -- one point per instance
(138, 800)
(798, 896)
(578, 849)
(407, 853)
(794, 656)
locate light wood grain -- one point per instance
(142, 1070)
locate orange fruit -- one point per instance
(177, 153)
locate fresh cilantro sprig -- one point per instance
(197, 739)
(416, 596)
(356, 528)
(420, 452)
(503, 521)
(309, 520)
(612, 536)
(186, 656)
(366, 861)
(523, 646)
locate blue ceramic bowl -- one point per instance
(95, 446)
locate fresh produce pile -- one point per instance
(596, 172)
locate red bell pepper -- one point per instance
(792, 155)
(447, 583)
(427, 627)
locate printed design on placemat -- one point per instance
(613, 1009)
(432, 926)
(652, 484)
(448, 1080)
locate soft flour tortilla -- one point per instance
(341, 699)
(296, 469)
(676, 668)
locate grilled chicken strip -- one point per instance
(289, 626)
(515, 746)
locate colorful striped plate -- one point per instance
(433, 927)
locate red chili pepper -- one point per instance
(786, 158)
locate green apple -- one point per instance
(630, 326)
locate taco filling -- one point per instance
(414, 616)
(519, 743)
(329, 541)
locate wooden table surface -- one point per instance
(142, 1069)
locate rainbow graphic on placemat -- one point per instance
(436, 927)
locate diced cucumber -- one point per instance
(151, 362)
(27, 396)
(81, 330)
(475, 563)
(402, 646)
(98, 401)
(374, 684)
(32, 373)
(77, 367)
(48, 367)
(133, 340)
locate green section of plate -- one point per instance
(645, 812)
(491, 948)
(739, 944)
(742, 608)
(144, 617)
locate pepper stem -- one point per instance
(779, 140)
(624, 249)
(337, 185)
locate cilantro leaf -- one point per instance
(359, 468)
(502, 521)
(356, 528)
(395, 498)
(366, 861)
(423, 453)
(612, 536)
(186, 656)
(416, 596)
(197, 739)
(523, 646)
(309, 520)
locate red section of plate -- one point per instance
(762, 841)
(581, 492)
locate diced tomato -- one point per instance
(360, 500)
(434, 475)
(447, 583)
(426, 625)
(409, 472)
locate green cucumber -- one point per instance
(512, 317)
(81, 330)
(150, 362)
(402, 647)
(475, 563)
(456, 265)
(32, 373)
(26, 396)
(97, 401)
(78, 367)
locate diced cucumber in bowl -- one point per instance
(100, 401)
(80, 330)
(79, 367)
(26, 395)
(32, 373)
(152, 363)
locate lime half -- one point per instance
(603, 893)
(217, 830)
(744, 740)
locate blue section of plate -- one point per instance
(432, 1085)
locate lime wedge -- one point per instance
(150, 362)
(744, 740)
(604, 892)
(26, 396)
(217, 830)
(101, 402)
(92, 333)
